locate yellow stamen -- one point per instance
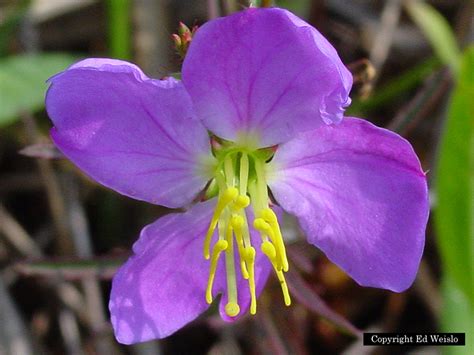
(268, 215)
(227, 197)
(237, 224)
(269, 250)
(245, 229)
(220, 246)
(252, 188)
(284, 287)
(244, 173)
(264, 228)
(229, 170)
(250, 259)
(241, 202)
(247, 260)
(261, 186)
(240, 178)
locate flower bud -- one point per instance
(183, 38)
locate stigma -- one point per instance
(240, 184)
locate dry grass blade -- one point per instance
(16, 235)
(70, 270)
(14, 337)
(42, 150)
(383, 41)
(427, 99)
(53, 190)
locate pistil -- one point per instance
(232, 307)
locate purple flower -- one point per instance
(268, 86)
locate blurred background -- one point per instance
(62, 236)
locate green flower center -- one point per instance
(239, 182)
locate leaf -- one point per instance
(457, 316)
(454, 215)
(311, 300)
(23, 82)
(176, 75)
(298, 7)
(437, 31)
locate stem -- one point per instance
(119, 28)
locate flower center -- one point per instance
(240, 182)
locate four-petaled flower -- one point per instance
(260, 106)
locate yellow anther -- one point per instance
(249, 253)
(230, 194)
(219, 247)
(232, 309)
(268, 215)
(237, 223)
(242, 201)
(227, 197)
(269, 250)
(259, 224)
(250, 259)
(263, 227)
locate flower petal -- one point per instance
(266, 74)
(162, 286)
(136, 135)
(360, 195)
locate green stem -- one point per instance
(119, 28)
